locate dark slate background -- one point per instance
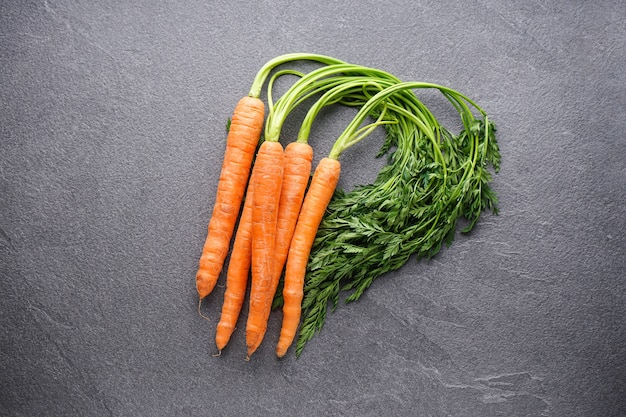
(112, 130)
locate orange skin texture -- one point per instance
(243, 137)
(268, 179)
(237, 275)
(318, 196)
(298, 161)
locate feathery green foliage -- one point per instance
(431, 180)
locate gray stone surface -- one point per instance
(112, 130)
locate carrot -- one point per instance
(298, 157)
(243, 138)
(298, 160)
(316, 200)
(267, 183)
(238, 273)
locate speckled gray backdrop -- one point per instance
(111, 135)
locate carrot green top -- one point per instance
(432, 179)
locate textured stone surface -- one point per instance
(111, 134)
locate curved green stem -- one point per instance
(272, 80)
(263, 73)
(345, 140)
(355, 87)
(313, 83)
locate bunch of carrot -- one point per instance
(274, 192)
(282, 205)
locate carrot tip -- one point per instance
(200, 312)
(247, 358)
(219, 353)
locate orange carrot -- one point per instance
(238, 273)
(243, 138)
(316, 200)
(298, 157)
(267, 183)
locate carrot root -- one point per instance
(318, 196)
(238, 273)
(200, 311)
(268, 177)
(243, 137)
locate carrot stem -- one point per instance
(317, 81)
(263, 73)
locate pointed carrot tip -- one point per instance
(251, 350)
(219, 353)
